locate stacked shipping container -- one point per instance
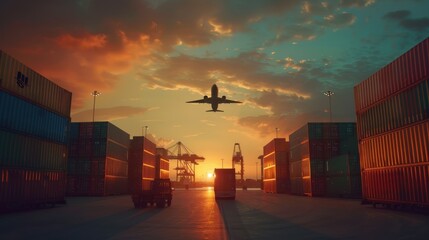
(324, 160)
(98, 162)
(162, 165)
(34, 123)
(392, 109)
(142, 164)
(276, 166)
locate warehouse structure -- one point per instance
(392, 109)
(276, 166)
(34, 122)
(98, 162)
(324, 160)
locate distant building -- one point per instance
(34, 124)
(98, 161)
(276, 166)
(392, 109)
(324, 160)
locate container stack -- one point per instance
(34, 124)
(162, 164)
(276, 166)
(324, 160)
(98, 162)
(392, 109)
(142, 164)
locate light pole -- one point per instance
(256, 171)
(277, 132)
(95, 94)
(145, 130)
(329, 94)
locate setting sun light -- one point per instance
(209, 175)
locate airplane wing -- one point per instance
(204, 100)
(223, 100)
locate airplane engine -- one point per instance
(223, 97)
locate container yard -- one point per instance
(34, 127)
(324, 160)
(392, 109)
(276, 166)
(98, 162)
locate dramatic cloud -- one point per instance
(108, 114)
(403, 18)
(397, 15)
(356, 3)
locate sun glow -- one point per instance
(209, 175)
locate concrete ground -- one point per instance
(194, 214)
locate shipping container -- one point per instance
(25, 188)
(162, 168)
(21, 116)
(406, 71)
(393, 131)
(324, 160)
(19, 80)
(276, 177)
(141, 168)
(34, 128)
(98, 163)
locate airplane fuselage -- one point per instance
(215, 92)
(214, 100)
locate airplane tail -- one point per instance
(214, 111)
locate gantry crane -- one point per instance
(237, 158)
(185, 169)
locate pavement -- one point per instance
(194, 214)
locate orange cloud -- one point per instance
(89, 41)
(107, 114)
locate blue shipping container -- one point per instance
(20, 116)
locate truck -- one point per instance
(160, 193)
(224, 183)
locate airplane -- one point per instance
(214, 100)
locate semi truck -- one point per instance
(224, 183)
(160, 193)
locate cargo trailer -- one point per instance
(224, 183)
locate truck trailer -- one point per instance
(224, 183)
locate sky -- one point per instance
(148, 57)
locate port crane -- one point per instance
(237, 158)
(186, 161)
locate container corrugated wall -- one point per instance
(34, 127)
(18, 79)
(162, 164)
(98, 163)
(407, 70)
(324, 160)
(141, 170)
(393, 130)
(276, 166)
